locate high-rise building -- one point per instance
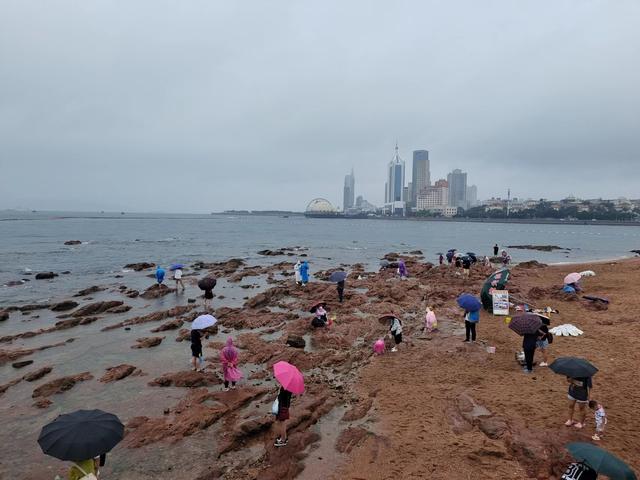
(421, 176)
(349, 191)
(395, 182)
(472, 196)
(457, 181)
(432, 197)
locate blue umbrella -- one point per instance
(469, 302)
(176, 266)
(338, 276)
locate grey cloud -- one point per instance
(269, 104)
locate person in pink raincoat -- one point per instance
(430, 321)
(229, 360)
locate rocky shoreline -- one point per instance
(342, 414)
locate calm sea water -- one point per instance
(35, 242)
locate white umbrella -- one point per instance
(566, 330)
(203, 321)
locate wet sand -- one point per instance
(436, 409)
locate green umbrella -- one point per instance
(497, 280)
(601, 461)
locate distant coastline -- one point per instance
(532, 221)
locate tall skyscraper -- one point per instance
(457, 181)
(349, 190)
(421, 176)
(472, 196)
(395, 179)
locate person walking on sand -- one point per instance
(340, 288)
(600, 418)
(578, 394)
(395, 330)
(196, 349)
(177, 276)
(296, 271)
(430, 321)
(496, 249)
(160, 275)
(471, 319)
(441, 259)
(229, 361)
(284, 403)
(304, 273)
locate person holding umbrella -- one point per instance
(197, 331)
(528, 325)
(320, 318)
(207, 284)
(471, 306)
(595, 460)
(578, 372)
(177, 275)
(84, 434)
(291, 382)
(339, 278)
(395, 328)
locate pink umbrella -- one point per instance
(289, 377)
(572, 278)
(378, 346)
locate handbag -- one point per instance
(275, 407)
(87, 476)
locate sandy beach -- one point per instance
(438, 408)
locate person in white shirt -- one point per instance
(177, 276)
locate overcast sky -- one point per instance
(199, 106)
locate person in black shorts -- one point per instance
(340, 288)
(196, 348)
(578, 394)
(284, 402)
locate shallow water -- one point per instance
(35, 242)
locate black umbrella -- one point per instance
(338, 276)
(573, 367)
(601, 461)
(81, 435)
(207, 283)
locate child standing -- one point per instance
(229, 361)
(430, 321)
(601, 419)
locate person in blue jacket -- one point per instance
(304, 273)
(160, 275)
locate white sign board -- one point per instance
(501, 302)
